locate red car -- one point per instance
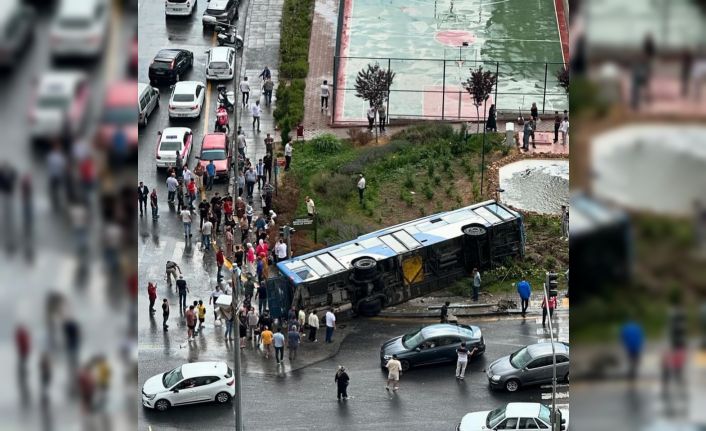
(215, 147)
(119, 112)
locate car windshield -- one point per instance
(229, 373)
(218, 65)
(215, 11)
(544, 413)
(183, 97)
(171, 378)
(162, 64)
(120, 115)
(495, 417)
(213, 155)
(50, 101)
(170, 146)
(413, 339)
(521, 358)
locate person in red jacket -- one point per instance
(552, 306)
(220, 260)
(152, 294)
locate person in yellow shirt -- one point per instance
(202, 314)
(266, 337)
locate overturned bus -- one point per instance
(398, 263)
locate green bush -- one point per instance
(428, 192)
(430, 168)
(409, 182)
(326, 143)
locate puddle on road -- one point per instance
(657, 168)
(536, 185)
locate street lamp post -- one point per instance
(551, 336)
(482, 156)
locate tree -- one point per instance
(479, 86)
(562, 75)
(373, 84)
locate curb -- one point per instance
(435, 315)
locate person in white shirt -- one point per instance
(371, 117)
(310, 207)
(463, 355)
(330, 325)
(256, 110)
(206, 234)
(324, 95)
(393, 373)
(313, 322)
(361, 188)
(273, 217)
(186, 219)
(564, 129)
(287, 155)
(187, 174)
(172, 184)
(245, 91)
(280, 250)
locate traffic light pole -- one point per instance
(551, 334)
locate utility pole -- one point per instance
(550, 282)
(235, 277)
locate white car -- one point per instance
(221, 63)
(187, 99)
(197, 382)
(79, 28)
(61, 100)
(171, 140)
(515, 416)
(179, 7)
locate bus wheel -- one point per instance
(475, 230)
(364, 268)
(370, 307)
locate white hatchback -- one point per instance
(79, 28)
(173, 140)
(187, 99)
(197, 382)
(516, 416)
(221, 63)
(179, 7)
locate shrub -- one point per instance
(430, 168)
(449, 191)
(360, 137)
(437, 180)
(422, 212)
(428, 192)
(336, 188)
(326, 143)
(446, 165)
(409, 182)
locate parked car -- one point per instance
(433, 344)
(119, 113)
(170, 65)
(148, 101)
(187, 99)
(196, 382)
(17, 22)
(514, 416)
(220, 11)
(179, 7)
(531, 365)
(221, 63)
(171, 140)
(215, 147)
(79, 28)
(61, 101)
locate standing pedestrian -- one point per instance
(445, 312)
(199, 172)
(261, 297)
(371, 117)
(154, 204)
(476, 284)
(183, 289)
(280, 251)
(190, 316)
(206, 234)
(242, 143)
(260, 171)
(186, 219)
(269, 142)
(491, 124)
(324, 96)
(301, 319)
(564, 222)
(564, 128)
(557, 125)
(548, 308)
(310, 206)
(288, 155)
(204, 208)
(172, 184)
(220, 260)
(142, 194)
(241, 184)
(632, 337)
(213, 299)
(245, 91)
(201, 311)
(250, 180)
(278, 341)
(242, 327)
(229, 243)
(256, 111)
(229, 313)
(173, 271)
(330, 325)
(526, 134)
(382, 116)
(267, 88)
(293, 339)
(210, 174)
(252, 317)
(180, 195)
(463, 355)
(394, 369)
(266, 336)
(525, 291)
(341, 380)
(534, 112)
(165, 313)
(191, 190)
(313, 326)
(361, 188)
(152, 295)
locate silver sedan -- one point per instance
(531, 365)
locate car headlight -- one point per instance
(386, 357)
(150, 396)
(495, 378)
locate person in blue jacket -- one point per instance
(633, 338)
(525, 291)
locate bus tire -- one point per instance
(475, 230)
(369, 307)
(364, 268)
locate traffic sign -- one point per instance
(303, 223)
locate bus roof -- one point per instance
(394, 240)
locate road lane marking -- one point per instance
(559, 396)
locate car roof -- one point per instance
(198, 369)
(220, 53)
(542, 349)
(187, 86)
(215, 4)
(78, 8)
(168, 53)
(60, 83)
(522, 410)
(213, 140)
(174, 133)
(122, 94)
(442, 329)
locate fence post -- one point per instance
(459, 104)
(389, 65)
(544, 95)
(497, 81)
(335, 87)
(443, 92)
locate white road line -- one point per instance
(559, 395)
(559, 385)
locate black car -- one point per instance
(169, 65)
(220, 12)
(433, 344)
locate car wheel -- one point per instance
(370, 308)
(222, 397)
(162, 405)
(566, 378)
(405, 365)
(512, 385)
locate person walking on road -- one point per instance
(210, 174)
(293, 339)
(310, 206)
(341, 380)
(165, 314)
(260, 171)
(256, 111)
(186, 219)
(212, 300)
(476, 284)
(265, 74)
(267, 88)
(279, 341)
(361, 188)
(172, 184)
(253, 317)
(173, 271)
(266, 336)
(301, 320)
(206, 230)
(313, 322)
(632, 337)
(190, 316)
(371, 117)
(142, 194)
(463, 355)
(152, 295)
(199, 172)
(261, 297)
(548, 309)
(245, 91)
(228, 313)
(525, 291)
(220, 260)
(250, 180)
(242, 143)
(324, 96)
(288, 155)
(183, 289)
(445, 312)
(330, 325)
(204, 208)
(154, 204)
(394, 369)
(201, 311)
(534, 112)
(242, 327)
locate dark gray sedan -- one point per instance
(531, 365)
(433, 344)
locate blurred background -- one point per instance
(67, 207)
(638, 222)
